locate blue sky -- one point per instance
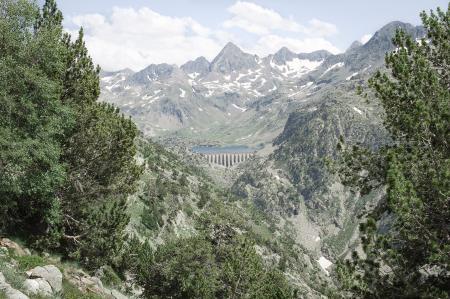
(136, 33)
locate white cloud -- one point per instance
(274, 31)
(263, 21)
(271, 43)
(136, 38)
(365, 38)
(321, 28)
(259, 20)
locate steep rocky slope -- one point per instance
(295, 182)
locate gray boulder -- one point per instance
(37, 286)
(49, 273)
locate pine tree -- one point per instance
(411, 260)
(32, 121)
(67, 162)
(99, 153)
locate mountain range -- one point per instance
(240, 98)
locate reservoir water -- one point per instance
(230, 149)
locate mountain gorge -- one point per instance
(292, 108)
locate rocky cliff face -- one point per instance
(295, 183)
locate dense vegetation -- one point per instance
(220, 264)
(406, 239)
(68, 166)
(66, 161)
(199, 241)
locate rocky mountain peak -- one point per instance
(232, 58)
(153, 72)
(125, 72)
(283, 55)
(316, 55)
(382, 39)
(354, 45)
(198, 66)
(231, 48)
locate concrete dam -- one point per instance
(227, 159)
(224, 156)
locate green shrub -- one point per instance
(110, 277)
(12, 277)
(29, 261)
(188, 210)
(72, 292)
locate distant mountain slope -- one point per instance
(239, 98)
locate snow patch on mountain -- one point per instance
(334, 66)
(240, 76)
(357, 110)
(296, 67)
(307, 85)
(351, 76)
(122, 78)
(182, 93)
(239, 108)
(193, 75)
(255, 78)
(108, 79)
(301, 66)
(263, 81)
(366, 68)
(146, 97)
(209, 94)
(324, 264)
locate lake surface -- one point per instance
(208, 149)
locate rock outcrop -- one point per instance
(44, 280)
(18, 250)
(37, 286)
(92, 284)
(9, 291)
